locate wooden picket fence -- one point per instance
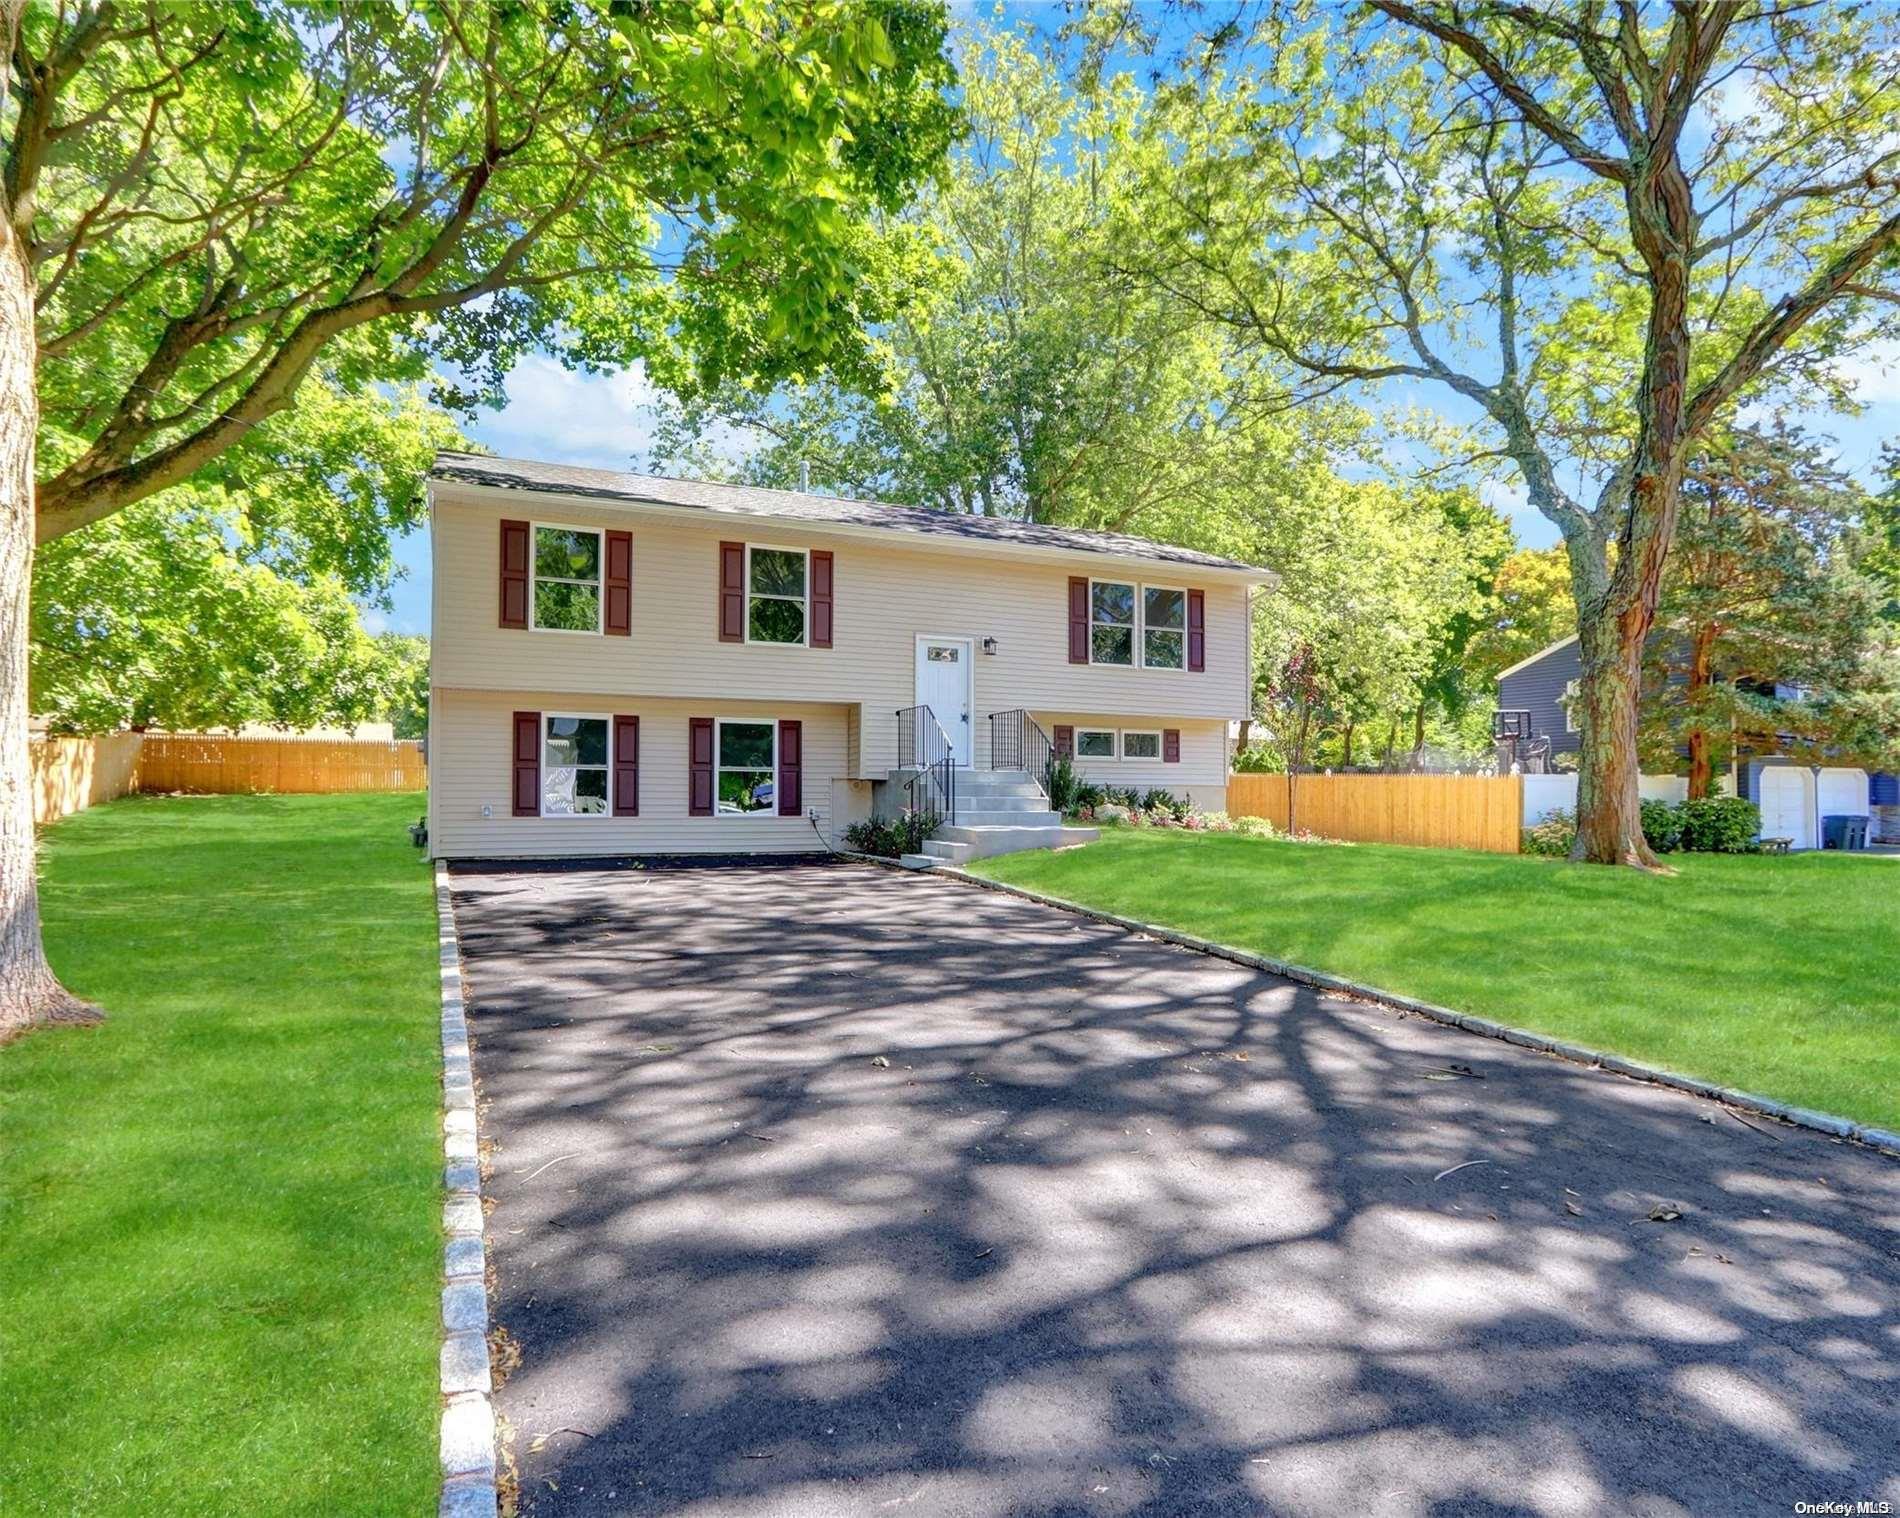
(218, 765)
(1436, 811)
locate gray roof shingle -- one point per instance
(754, 501)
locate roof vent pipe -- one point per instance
(804, 475)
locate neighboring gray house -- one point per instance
(1541, 685)
(1793, 797)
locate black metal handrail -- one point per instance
(1017, 742)
(923, 746)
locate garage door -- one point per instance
(1786, 811)
(1843, 793)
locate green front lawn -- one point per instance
(1777, 975)
(220, 1241)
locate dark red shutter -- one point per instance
(619, 617)
(791, 766)
(820, 598)
(731, 593)
(699, 756)
(1078, 620)
(626, 766)
(1065, 741)
(1197, 630)
(514, 574)
(527, 764)
(1171, 746)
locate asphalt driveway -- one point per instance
(825, 1190)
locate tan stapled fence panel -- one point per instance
(71, 774)
(218, 765)
(1436, 811)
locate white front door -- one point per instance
(1787, 811)
(943, 684)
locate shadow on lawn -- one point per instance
(1119, 1229)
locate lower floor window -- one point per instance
(1137, 745)
(574, 767)
(1094, 743)
(747, 761)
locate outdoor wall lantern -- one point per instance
(989, 645)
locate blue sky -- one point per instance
(607, 420)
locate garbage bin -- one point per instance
(1838, 832)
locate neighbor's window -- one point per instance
(567, 579)
(574, 767)
(748, 763)
(1094, 743)
(775, 595)
(1163, 627)
(1141, 745)
(1570, 706)
(1111, 622)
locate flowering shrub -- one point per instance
(1552, 837)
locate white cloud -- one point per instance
(1873, 372)
(603, 420)
(374, 621)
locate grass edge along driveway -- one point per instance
(1775, 974)
(220, 1240)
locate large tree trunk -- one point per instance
(1609, 810)
(29, 993)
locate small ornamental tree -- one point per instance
(200, 204)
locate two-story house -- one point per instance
(624, 664)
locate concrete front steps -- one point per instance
(998, 812)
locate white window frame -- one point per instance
(1141, 732)
(600, 579)
(804, 637)
(719, 726)
(1572, 689)
(1134, 627)
(1138, 629)
(1141, 608)
(541, 762)
(1114, 745)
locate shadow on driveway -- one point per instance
(824, 1190)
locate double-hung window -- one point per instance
(777, 605)
(1111, 622)
(745, 754)
(574, 768)
(1163, 627)
(567, 564)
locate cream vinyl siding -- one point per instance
(1201, 776)
(883, 597)
(471, 737)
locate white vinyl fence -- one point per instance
(1544, 794)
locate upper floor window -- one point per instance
(1111, 622)
(776, 600)
(1143, 625)
(1569, 704)
(1163, 627)
(567, 564)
